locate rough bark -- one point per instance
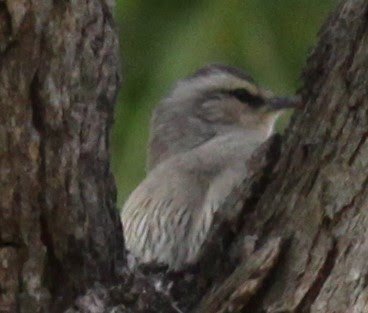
(299, 242)
(316, 196)
(59, 228)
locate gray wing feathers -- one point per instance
(167, 221)
(160, 231)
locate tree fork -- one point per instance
(59, 230)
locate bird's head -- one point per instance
(215, 100)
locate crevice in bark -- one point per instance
(37, 108)
(341, 129)
(255, 303)
(357, 149)
(310, 182)
(6, 39)
(305, 304)
(54, 272)
(9, 244)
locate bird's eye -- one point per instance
(245, 96)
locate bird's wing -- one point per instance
(159, 215)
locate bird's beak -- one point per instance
(283, 103)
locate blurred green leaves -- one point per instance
(164, 40)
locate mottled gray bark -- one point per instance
(298, 245)
(59, 228)
(316, 197)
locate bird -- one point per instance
(201, 136)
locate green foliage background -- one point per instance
(163, 40)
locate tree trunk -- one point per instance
(315, 199)
(59, 228)
(301, 233)
(318, 194)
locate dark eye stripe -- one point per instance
(243, 95)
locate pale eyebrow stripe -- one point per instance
(251, 88)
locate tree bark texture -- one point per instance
(59, 228)
(300, 240)
(316, 199)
